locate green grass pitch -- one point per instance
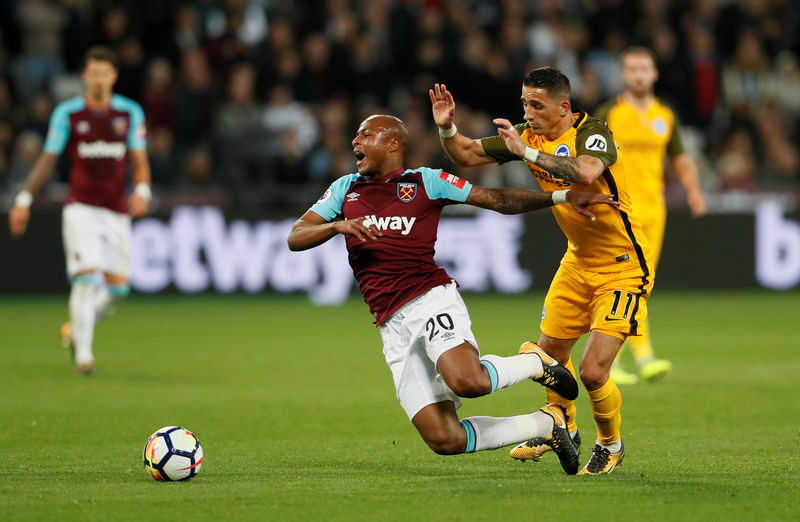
(295, 409)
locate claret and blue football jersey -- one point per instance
(405, 206)
(97, 143)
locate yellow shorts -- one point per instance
(580, 301)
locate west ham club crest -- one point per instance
(406, 191)
(120, 125)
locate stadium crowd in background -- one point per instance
(258, 96)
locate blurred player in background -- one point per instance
(605, 277)
(99, 131)
(389, 216)
(647, 130)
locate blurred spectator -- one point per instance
(38, 115)
(240, 135)
(161, 151)
(195, 102)
(197, 169)
(706, 79)
(735, 163)
(292, 131)
(131, 67)
(40, 24)
(157, 98)
(26, 151)
(781, 159)
(748, 78)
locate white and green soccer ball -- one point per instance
(173, 453)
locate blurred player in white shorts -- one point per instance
(95, 238)
(99, 131)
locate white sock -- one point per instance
(613, 448)
(82, 312)
(103, 301)
(485, 433)
(505, 371)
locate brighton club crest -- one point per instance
(406, 191)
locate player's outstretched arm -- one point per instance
(463, 151)
(583, 169)
(312, 230)
(139, 201)
(20, 213)
(519, 200)
(687, 173)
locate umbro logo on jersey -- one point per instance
(352, 196)
(401, 223)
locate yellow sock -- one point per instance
(552, 396)
(641, 346)
(606, 404)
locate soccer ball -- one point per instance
(173, 453)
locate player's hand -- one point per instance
(18, 220)
(443, 106)
(137, 206)
(356, 227)
(510, 136)
(581, 200)
(697, 203)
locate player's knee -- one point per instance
(593, 377)
(445, 441)
(472, 385)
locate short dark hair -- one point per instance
(98, 52)
(550, 78)
(638, 49)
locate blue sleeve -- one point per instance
(137, 135)
(329, 205)
(443, 185)
(58, 131)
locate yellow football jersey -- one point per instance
(613, 243)
(646, 137)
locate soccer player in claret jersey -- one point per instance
(100, 131)
(604, 279)
(389, 216)
(647, 130)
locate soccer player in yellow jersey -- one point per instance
(647, 130)
(605, 277)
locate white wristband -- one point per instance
(143, 191)
(23, 199)
(559, 196)
(448, 133)
(531, 155)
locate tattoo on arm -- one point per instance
(566, 168)
(509, 200)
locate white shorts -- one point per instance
(416, 336)
(95, 238)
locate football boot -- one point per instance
(553, 375)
